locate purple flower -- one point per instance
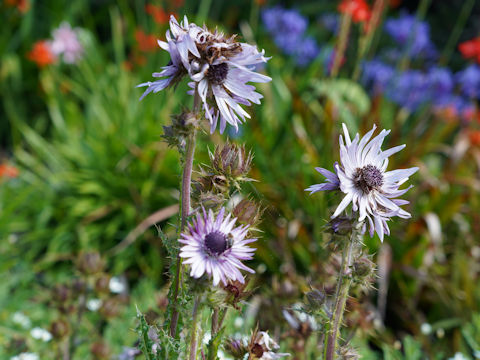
(331, 22)
(66, 43)
(409, 89)
(215, 247)
(376, 75)
(408, 31)
(440, 82)
(220, 69)
(363, 177)
(469, 81)
(287, 28)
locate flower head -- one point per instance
(66, 43)
(214, 246)
(470, 49)
(42, 53)
(262, 347)
(363, 177)
(357, 9)
(220, 68)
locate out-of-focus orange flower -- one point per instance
(261, 2)
(8, 171)
(474, 137)
(178, 3)
(158, 14)
(41, 54)
(22, 5)
(146, 42)
(470, 49)
(357, 9)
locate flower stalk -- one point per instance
(193, 330)
(185, 211)
(341, 295)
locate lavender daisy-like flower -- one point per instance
(214, 246)
(65, 42)
(220, 68)
(363, 177)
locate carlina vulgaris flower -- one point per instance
(42, 54)
(220, 69)
(213, 245)
(363, 177)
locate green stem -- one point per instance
(185, 205)
(343, 286)
(342, 44)
(193, 331)
(457, 31)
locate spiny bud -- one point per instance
(231, 161)
(102, 284)
(348, 353)
(182, 126)
(315, 298)
(341, 225)
(235, 348)
(110, 308)
(61, 293)
(236, 292)
(363, 267)
(59, 329)
(90, 263)
(247, 212)
(100, 351)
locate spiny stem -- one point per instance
(193, 331)
(343, 286)
(185, 210)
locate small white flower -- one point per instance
(116, 285)
(25, 356)
(21, 319)
(459, 356)
(41, 334)
(426, 329)
(94, 304)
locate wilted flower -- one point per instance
(42, 54)
(262, 347)
(215, 247)
(362, 176)
(219, 68)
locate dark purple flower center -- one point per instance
(216, 242)
(217, 74)
(368, 178)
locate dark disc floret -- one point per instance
(216, 242)
(217, 74)
(368, 178)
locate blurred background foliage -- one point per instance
(91, 173)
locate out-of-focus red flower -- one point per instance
(357, 9)
(8, 171)
(146, 42)
(42, 54)
(470, 49)
(261, 2)
(178, 3)
(474, 137)
(158, 14)
(22, 5)
(394, 3)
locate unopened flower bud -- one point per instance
(61, 293)
(315, 298)
(341, 225)
(247, 212)
(100, 351)
(182, 126)
(59, 329)
(232, 160)
(110, 308)
(90, 263)
(363, 267)
(102, 284)
(348, 353)
(236, 348)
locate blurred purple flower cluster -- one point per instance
(287, 27)
(427, 84)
